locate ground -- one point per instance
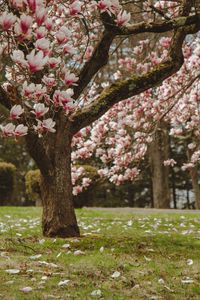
(121, 255)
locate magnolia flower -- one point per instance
(36, 62)
(28, 90)
(40, 15)
(70, 78)
(21, 130)
(123, 18)
(16, 111)
(49, 124)
(40, 110)
(7, 20)
(49, 24)
(43, 45)
(54, 62)
(169, 162)
(68, 49)
(8, 129)
(103, 5)
(114, 6)
(75, 8)
(77, 190)
(18, 57)
(40, 32)
(33, 90)
(32, 4)
(25, 23)
(63, 98)
(63, 35)
(49, 81)
(39, 91)
(45, 126)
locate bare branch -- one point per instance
(96, 62)
(160, 27)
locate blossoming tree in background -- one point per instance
(51, 52)
(140, 126)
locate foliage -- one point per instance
(7, 182)
(32, 181)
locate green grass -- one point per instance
(151, 256)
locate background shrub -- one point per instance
(7, 183)
(32, 182)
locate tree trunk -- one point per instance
(158, 152)
(195, 181)
(53, 157)
(195, 185)
(58, 211)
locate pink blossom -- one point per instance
(40, 110)
(8, 129)
(45, 126)
(32, 4)
(43, 44)
(63, 98)
(63, 35)
(53, 62)
(114, 6)
(88, 52)
(7, 20)
(16, 111)
(86, 182)
(123, 18)
(49, 24)
(33, 90)
(20, 130)
(40, 15)
(36, 62)
(75, 8)
(40, 91)
(170, 162)
(28, 90)
(49, 81)
(40, 32)
(68, 49)
(103, 5)
(77, 190)
(25, 23)
(18, 57)
(187, 166)
(70, 78)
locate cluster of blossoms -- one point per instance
(79, 180)
(120, 139)
(46, 40)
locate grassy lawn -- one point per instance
(119, 256)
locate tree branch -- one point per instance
(123, 89)
(96, 62)
(160, 27)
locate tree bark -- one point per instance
(58, 211)
(195, 185)
(53, 157)
(195, 181)
(158, 152)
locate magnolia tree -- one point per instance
(50, 53)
